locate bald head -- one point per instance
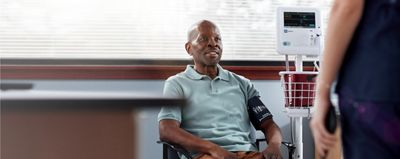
(204, 44)
(194, 29)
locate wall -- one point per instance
(270, 91)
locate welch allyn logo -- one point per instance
(258, 110)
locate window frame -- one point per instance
(138, 69)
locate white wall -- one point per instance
(270, 91)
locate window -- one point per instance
(137, 29)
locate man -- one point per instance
(215, 124)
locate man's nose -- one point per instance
(212, 43)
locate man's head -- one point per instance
(204, 43)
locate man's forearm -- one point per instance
(272, 132)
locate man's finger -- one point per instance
(267, 155)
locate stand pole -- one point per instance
(299, 63)
(298, 121)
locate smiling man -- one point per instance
(216, 123)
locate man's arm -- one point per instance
(274, 138)
(171, 132)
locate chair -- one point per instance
(170, 151)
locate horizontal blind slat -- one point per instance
(138, 29)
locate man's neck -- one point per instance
(211, 71)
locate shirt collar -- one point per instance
(193, 74)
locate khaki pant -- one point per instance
(240, 155)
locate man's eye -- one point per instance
(202, 39)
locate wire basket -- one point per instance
(298, 88)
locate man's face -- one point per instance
(205, 46)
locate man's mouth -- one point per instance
(212, 54)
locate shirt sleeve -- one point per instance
(171, 89)
(251, 90)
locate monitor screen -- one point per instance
(299, 19)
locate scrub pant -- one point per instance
(370, 129)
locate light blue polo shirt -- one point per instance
(217, 108)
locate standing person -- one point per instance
(215, 124)
(363, 49)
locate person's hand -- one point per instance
(219, 153)
(272, 152)
(322, 138)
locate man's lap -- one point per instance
(239, 154)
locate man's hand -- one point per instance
(170, 131)
(274, 138)
(272, 152)
(219, 153)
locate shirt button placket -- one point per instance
(213, 87)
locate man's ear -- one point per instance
(187, 47)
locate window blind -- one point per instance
(138, 29)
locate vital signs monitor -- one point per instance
(298, 31)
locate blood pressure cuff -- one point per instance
(258, 112)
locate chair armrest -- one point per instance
(176, 148)
(289, 145)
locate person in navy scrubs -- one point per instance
(362, 51)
